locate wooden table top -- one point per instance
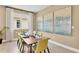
(30, 40)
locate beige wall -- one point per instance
(2, 17)
(72, 40)
(34, 21)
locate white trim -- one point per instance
(64, 46)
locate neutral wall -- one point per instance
(34, 21)
(72, 40)
(2, 17)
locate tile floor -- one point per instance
(11, 47)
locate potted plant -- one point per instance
(2, 31)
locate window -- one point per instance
(48, 23)
(40, 23)
(62, 21)
(18, 24)
(45, 23)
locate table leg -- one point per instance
(48, 50)
(30, 48)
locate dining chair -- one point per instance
(39, 33)
(19, 31)
(20, 44)
(41, 46)
(34, 32)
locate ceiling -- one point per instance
(33, 8)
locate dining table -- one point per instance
(30, 41)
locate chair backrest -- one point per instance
(39, 33)
(34, 32)
(20, 41)
(19, 31)
(41, 45)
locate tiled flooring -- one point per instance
(11, 47)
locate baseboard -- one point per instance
(64, 46)
(7, 41)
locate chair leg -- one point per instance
(48, 50)
(44, 51)
(40, 51)
(23, 49)
(33, 51)
(18, 44)
(20, 49)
